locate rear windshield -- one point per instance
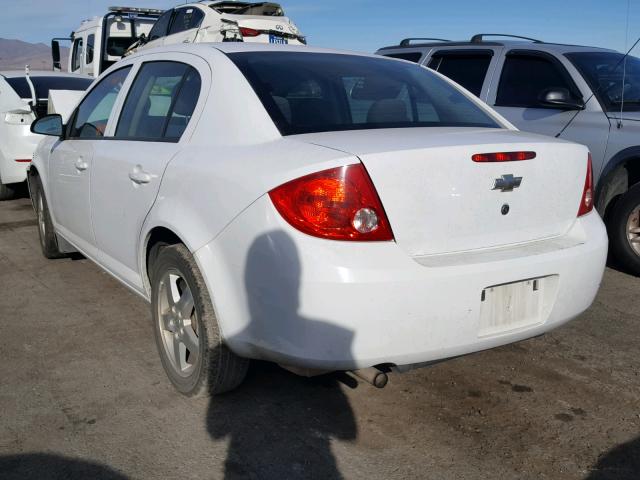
(44, 84)
(320, 92)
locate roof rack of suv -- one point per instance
(478, 38)
(407, 41)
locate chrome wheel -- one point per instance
(633, 230)
(178, 323)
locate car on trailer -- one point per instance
(583, 94)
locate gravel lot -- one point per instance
(83, 395)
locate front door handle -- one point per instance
(139, 176)
(81, 165)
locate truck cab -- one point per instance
(99, 42)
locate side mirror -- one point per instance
(560, 98)
(48, 125)
(55, 55)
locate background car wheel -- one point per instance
(624, 230)
(7, 192)
(186, 329)
(48, 240)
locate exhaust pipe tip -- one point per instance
(372, 376)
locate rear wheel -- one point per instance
(624, 230)
(48, 239)
(186, 330)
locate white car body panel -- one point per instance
(285, 296)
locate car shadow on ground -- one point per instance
(619, 463)
(279, 425)
(40, 466)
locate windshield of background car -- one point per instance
(320, 92)
(44, 84)
(603, 71)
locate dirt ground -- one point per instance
(83, 395)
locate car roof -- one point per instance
(559, 48)
(40, 73)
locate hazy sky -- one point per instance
(369, 24)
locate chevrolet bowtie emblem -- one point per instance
(506, 183)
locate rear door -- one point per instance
(71, 162)
(152, 124)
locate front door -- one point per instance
(72, 161)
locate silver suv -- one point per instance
(566, 91)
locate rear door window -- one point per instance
(160, 28)
(468, 69)
(160, 103)
(186, 19)
(526, 77)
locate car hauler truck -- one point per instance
(99, 42)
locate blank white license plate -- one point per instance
(517, 305)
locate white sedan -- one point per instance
(23, 100)
(319, 209)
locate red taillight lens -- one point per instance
(249, 32)
(586, 203)
(503, 156)
(340, 204)
(23, 160)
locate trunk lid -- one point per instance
(278, 27)
(440, 201)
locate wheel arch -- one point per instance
(619, 175)
(156, 237)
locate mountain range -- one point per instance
(15, 54)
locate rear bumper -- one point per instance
(19, 145)
(283, 296)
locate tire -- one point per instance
(7, 191)
(48, 239)
(187, 334)
(625, 219)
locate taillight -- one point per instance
(586, 203)
(503, 156)
(339, 204)
(23, 160)
(249, 32)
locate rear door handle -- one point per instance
(139, 176)
(81, 165)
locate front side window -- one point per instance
(160, 28)
(91, 40)
(76, 58)
(525, 79)
(311, 92)
(160, 103)
(91, 117)
(466, 69)
(604, 71)
(186, 19)
(409, 56)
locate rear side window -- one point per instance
(186, 19)
(410, 56)
(91, 118)
(466, 69)
(160, 103)
(312, 92)
(160, 28)
(525, 78)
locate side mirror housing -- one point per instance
(48, 125)
(560, 98)
(142, 39)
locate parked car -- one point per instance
(19, 107)
(567, 91)
(319, 209)
(223, 21)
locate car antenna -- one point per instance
(624, 57)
